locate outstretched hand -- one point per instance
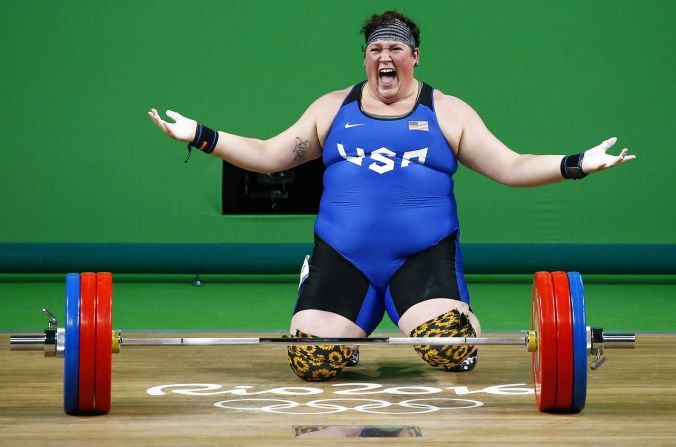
(597, 158)
(183, 129)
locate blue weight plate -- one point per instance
(71, 363)
(579, 341)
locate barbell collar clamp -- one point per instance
(60, 342)
(53, 323)
(598, 338)
(51, 342)
(598, 341)
(599, 359)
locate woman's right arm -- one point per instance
(296, 145)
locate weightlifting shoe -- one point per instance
(466, 365)
(354, 358)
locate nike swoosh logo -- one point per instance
(348, 125)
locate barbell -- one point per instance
(559, 341)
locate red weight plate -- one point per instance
(544, 325)
(104, 348)
(85, 401)
(564, 342)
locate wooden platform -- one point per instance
(248, 396)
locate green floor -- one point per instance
(643, 303)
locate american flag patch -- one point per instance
(418, 125)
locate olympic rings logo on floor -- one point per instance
(243, 400)
(352, 389)
(328, 406)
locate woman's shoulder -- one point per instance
(334, 97)
(327, 105)
(445, 101)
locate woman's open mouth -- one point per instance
(387, 76)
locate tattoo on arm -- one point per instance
(301, 149)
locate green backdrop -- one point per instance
(82, 162)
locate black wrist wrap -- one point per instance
(205, 139)
(571, 167)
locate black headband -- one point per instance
(394, 30)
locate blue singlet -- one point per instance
(388, 188)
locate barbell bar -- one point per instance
(38, 342)
(559, 341)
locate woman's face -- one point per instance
(389, 68)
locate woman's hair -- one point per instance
(377, 20)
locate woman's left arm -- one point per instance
(481, 151)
